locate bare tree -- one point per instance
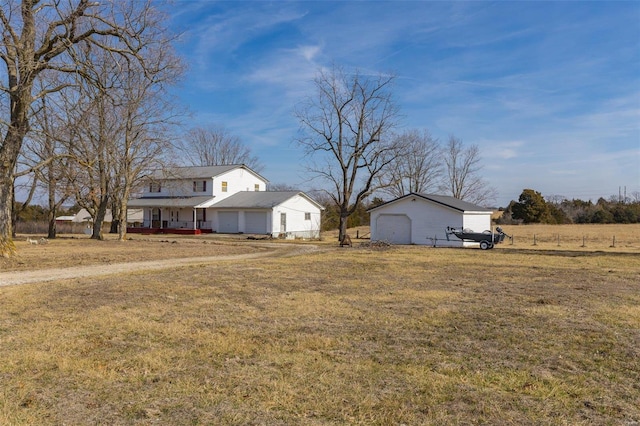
(39, 37)
(279, 186)
(346, 129)
(462, 178)
(417, 168)
(45, 157)
(118, 133)
(216, 146)
(145, 111)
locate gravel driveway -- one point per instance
(43, 275)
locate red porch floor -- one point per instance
(181, 231)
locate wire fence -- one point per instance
(573, 241)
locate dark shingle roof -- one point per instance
(195, 172)
(259, 199)
(445, 200)
(463, 206)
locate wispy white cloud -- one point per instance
(549, 91)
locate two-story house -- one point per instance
(224, 199)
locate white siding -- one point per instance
(429, 221)
(237, 180)
(297, 226)
(477, 222)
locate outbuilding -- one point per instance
(423, 219)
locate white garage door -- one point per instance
(255, 222)
(394, 228)
(228, 222)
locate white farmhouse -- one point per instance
(224, 199)
(423, 219)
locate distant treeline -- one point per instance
(532, 207)
(36, 213)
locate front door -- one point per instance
(155, 218)
(283, 222)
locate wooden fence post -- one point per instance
(534, 240)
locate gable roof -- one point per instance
(444, 200)
(261, 199)
(199, 172)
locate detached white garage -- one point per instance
(423, 219)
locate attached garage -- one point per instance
(281, 214)
(228, 222)
(423, 219)
(394, 228)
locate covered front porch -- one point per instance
(186, 216)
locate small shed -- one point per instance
(423, 219)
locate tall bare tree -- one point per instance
(346, 131)
(216, 146)
(145, 111)
(44, 157)
(418, 166)
(462, 180)
(39, 36)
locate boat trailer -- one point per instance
(487, 239)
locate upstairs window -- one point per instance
(224, 186)
(307, 216)
(154, 187)
(199, 186)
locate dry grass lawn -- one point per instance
(412, 335)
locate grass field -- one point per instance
(411, 335)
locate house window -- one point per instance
(307, 216)
(199, 186)
(224, 186)
(154, 187)
(256, 187)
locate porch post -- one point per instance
(195, 225)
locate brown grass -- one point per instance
(77, 250)
(614, 237)
(410, 335)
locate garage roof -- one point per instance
(260, 199)
(444, 200)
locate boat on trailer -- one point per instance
(487, 239)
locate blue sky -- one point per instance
(549, 91)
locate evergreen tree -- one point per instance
(531, 208)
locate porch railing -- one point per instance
(200, 224)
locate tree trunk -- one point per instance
(122, 221)
(343, 226)
(7, 248)
(53, 226)
(8, 156)
(51, 233)
(98, 221)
